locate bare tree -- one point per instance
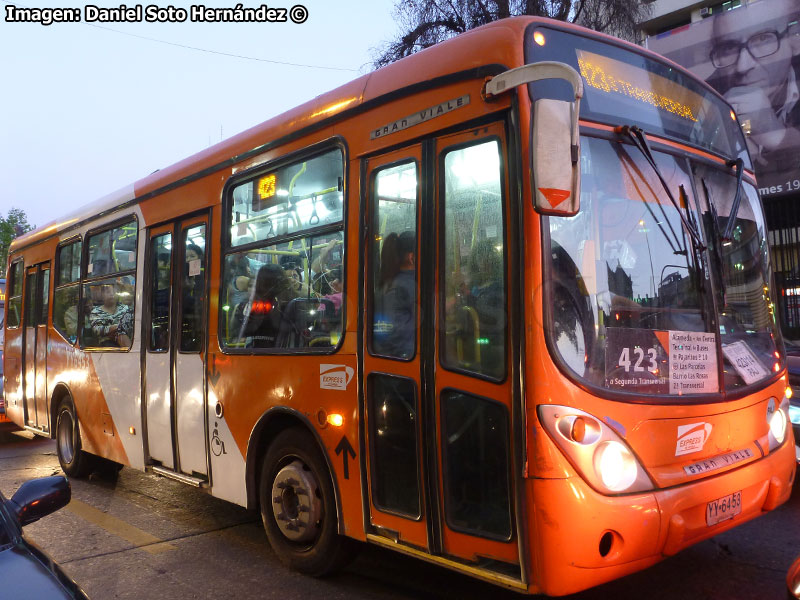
(424, 23)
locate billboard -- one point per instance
(751, 55)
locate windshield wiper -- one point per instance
(738, 164)
(637, 136)
(718, 238)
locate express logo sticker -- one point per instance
(692, 438)
(335, 377)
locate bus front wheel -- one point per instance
(74, 461)
(298, 507)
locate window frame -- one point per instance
(446, 394)
(183, 232)
(85, 279)
(370, 282)
(151, 290)
(441, 266)
(227, 249)
(10, 282)
(57, 285)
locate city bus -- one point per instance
(505, 305)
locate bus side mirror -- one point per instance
(555, 142)
(555, 153)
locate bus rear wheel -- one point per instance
(74, 461)
(298, 507)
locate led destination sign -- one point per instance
(614, 77)
(626, 86)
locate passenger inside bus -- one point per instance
(292, 267)
(111, 321)
(259, 320)
(193, 298)
(396, 297)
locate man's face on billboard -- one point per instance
(754, 55)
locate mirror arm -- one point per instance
(512, 78)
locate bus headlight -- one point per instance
(596, 451)
(777, 426)
(615, 465)
(777, 420)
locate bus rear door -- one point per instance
(174, 340)
(37, 288)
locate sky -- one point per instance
(88, 108)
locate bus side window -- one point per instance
(474, 262)
(394, 261)
(106, 314)
(15, 296)
(161, 286)
(193, 299)
(283, 290)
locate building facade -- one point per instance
(749, 51)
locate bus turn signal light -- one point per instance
(335, 419)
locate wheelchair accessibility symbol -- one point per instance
(217, 445)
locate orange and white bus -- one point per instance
(504, 305)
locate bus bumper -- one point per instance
(581, 538)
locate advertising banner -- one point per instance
(751, 55)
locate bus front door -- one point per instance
(174, 337)
(437, 360)
(35, 309)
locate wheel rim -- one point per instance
(66, 444)
(296, 503)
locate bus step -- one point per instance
(194, 481)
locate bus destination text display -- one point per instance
(661, 362)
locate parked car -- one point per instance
(27, 572)
(793, 361)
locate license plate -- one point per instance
(723, 508)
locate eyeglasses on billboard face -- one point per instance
(760, 45)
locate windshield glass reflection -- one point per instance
(747, 326)
(628, 281)
(632, 289)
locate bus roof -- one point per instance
(499, 47)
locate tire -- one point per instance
(298, 507)
(74, 461)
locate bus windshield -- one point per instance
(633, 306)
(648, 295)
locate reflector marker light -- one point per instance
(554, 196)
